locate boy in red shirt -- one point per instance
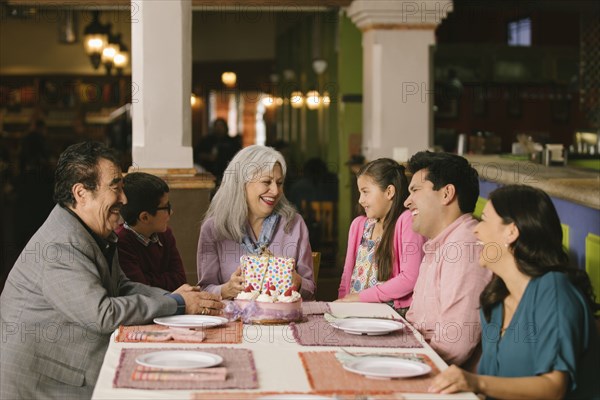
(147, 248)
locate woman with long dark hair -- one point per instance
(539, 338)
(384, 254)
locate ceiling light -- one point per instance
(319, 66)
(95, 38)
(229, 79)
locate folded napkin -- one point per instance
(141, 373)
(228, 333)
(179, 334)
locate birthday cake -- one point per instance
(269, 296)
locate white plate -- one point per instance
(179, 359)
(386, 367)
(191, 321)
(367, 326)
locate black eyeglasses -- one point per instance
(167, 207)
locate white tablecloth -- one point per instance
(276, 356)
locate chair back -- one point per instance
(316, 256)
(323, 213)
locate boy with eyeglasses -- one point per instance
(147, 249)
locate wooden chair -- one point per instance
(323, 213)
(316, 256)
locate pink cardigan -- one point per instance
(408, 252)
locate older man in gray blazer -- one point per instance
(66, 293)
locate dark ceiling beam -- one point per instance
(225, 5)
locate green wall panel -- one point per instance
(592, 261)
(481, 202)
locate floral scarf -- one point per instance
(265, 237)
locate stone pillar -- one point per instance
(397, 83)
(161, 33)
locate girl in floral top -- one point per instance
(384, 254)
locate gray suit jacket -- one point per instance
(60, 304)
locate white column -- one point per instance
(161, 33)
(397, 84)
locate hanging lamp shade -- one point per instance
(95, 38)
(121, 59)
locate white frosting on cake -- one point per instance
(247, 295)
(295, 296)
(265, 298)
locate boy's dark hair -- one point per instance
(79, 164)
(143, 192)
(444, 169)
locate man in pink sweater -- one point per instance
(445, 308)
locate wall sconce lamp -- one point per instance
(95, 38)
(326, 100)
(229, 79)
(297, 99)
(313, 99)
(268, 100)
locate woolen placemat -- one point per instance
(230, 333)
(241, 371)
(326, 374)
(315, 331)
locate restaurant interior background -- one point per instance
(500, 69)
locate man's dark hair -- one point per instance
(79, 164)
(445, 168)
(143, 192)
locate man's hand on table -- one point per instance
(203, 303)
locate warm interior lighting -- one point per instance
(95, 38)
(268, 100)
(313, 99)
(297, 99)
(121, 59)
(109, 52)
(326, 99)
(94, 43)
(194, 100)
(229, 79)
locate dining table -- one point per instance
(288, 366)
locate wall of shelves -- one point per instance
(73, 107)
